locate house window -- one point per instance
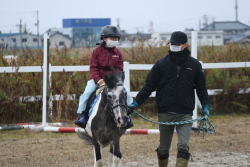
(61, 43)
(2, 39)
(217, 36)
(189, 37)
(209, 37)
(34, 39)
(13, 39)
(163, 38)
(200, 37)
(24, 39)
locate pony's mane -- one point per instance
(113, 78)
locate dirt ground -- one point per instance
(228, 147)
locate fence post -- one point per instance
(127, 75)
(194, 55)
(51, 97)
(45, 77)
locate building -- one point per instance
(130, 40)
(85, 32)
(19, 40)
(234, 31)
(65, 31)
(58, 40)
(204, 37)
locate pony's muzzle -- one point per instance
(122, 121)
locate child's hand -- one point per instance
(100, 82)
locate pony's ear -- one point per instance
(110, 80)
(113, 70)
(123, 76)
(120, 76)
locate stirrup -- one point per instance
(129, 123)
(81, 121)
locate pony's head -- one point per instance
(116, 97)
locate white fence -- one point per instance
(127, 68)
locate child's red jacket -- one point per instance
(102, 60)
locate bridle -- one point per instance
(111, 109)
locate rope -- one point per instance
(205, 125)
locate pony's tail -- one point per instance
(85, 137)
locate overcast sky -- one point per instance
(134, 15)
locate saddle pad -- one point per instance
(93, 114)
(93, 104)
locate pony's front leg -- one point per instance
(97, 154)
(115, 155)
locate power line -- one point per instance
(8, 26)
(13, 12)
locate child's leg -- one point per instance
(89, 89)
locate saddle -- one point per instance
(92, 98)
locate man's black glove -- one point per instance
(131, 107)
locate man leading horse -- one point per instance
(175, 77)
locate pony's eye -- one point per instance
(109, 96)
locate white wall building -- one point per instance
(19, 40)
(59, 40)
(65, 31)
(204, 37)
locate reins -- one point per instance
(205, 126)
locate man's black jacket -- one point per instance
(175, 92)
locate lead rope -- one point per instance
(205, 125)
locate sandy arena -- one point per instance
(229, 147)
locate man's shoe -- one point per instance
(81, 121)
(129, 123)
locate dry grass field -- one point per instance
(228, 147)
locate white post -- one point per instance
(127, 75)
(45, 77)
(50, 101)
(194, 55)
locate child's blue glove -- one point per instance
(131, 107)
(205, 110)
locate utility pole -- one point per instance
(20, 31)
(118, 23)
(205, 21)
(199, 25)
(236, 10)
(21, 27)
(151, 26)
(213, 24)
(37, 24)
